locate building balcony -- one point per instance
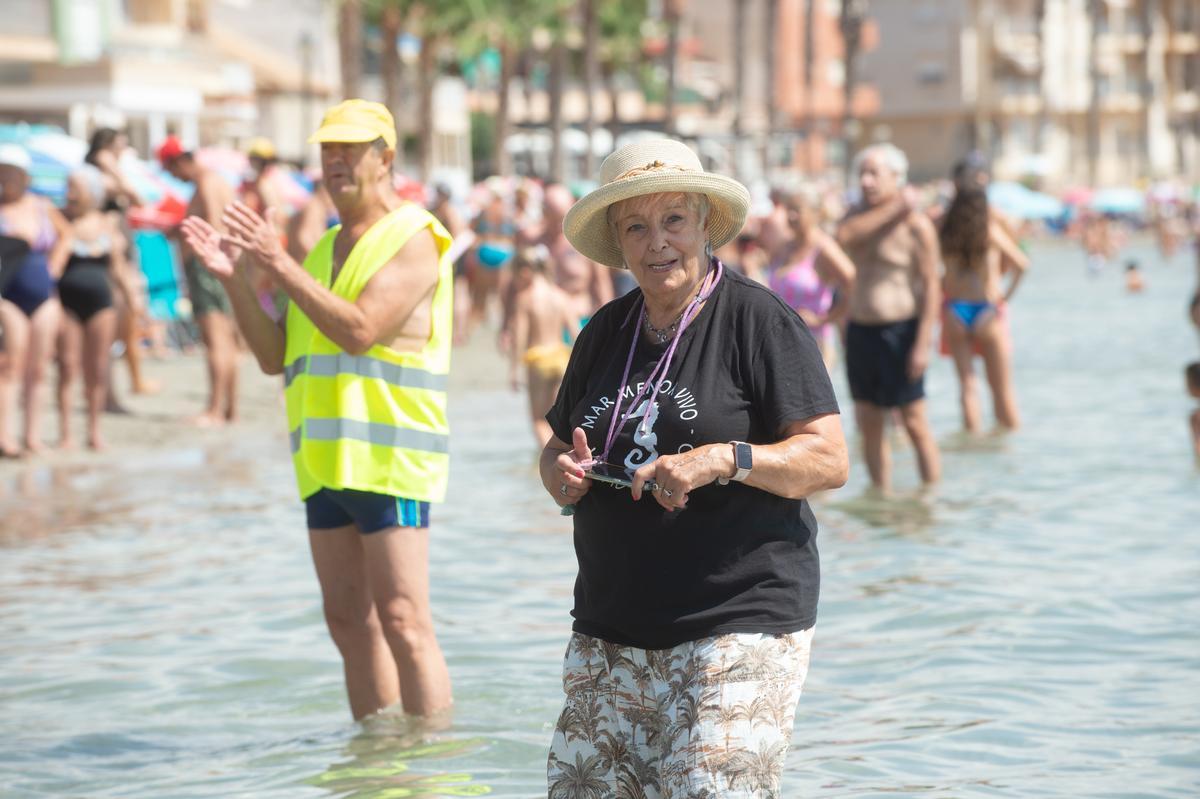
(1185, 103)
(1121, 102)
(1124, 43)
(1020, 104)
(1183, 43)
(28, 49)
(1019, 48)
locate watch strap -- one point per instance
(741, 461)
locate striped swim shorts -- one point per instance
(329, 508)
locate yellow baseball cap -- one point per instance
(356, 121)
(261, 147)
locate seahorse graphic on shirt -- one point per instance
(644, 436)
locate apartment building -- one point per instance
(212, 71)
(1062, 91)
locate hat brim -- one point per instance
(347, 134)
(586, 224)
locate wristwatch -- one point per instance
(743, 460)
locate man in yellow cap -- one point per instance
(364, 349)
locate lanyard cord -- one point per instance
(660, 369)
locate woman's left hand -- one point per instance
(678, 475)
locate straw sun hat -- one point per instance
(651, 167)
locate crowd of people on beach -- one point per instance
(72, 288)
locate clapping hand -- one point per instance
(218, 253)
(254, 233)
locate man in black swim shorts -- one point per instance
(893, 309)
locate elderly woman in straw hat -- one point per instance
(698, 578)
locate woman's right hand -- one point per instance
(566, 478)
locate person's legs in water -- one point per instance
(15, 326)
(542, 391)
(70, 368)
(233, 352)
(958, 339)
(129, 331)
(220, 354)
(367, 662)
(398, 569)
(98, 335)
(871, 421)
(916, 422)
(995, 344)
(43, 330)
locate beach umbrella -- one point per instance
(48, 177)
(58, 146)
(1118, 201)
(1020, 202)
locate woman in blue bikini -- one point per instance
(29, 309)
(494, 232)
(977, 252)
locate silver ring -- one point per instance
(667, 493)
(563, 489)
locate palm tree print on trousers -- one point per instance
(706, 719)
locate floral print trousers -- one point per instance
(706, 719)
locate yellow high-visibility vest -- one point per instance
(377, 421)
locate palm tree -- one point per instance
(739, 75)
(851, 22)
(810, 62)
(437, 22)
(558, 77)
(755, 711)
(770, 18)
(390, 17)
(620, 48)
(758, 771)
(672, 13)
(506, 25)
(754, 662)
(581, 780)
(587, 9)
(350, 45)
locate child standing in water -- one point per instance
(543, 328)
(1133, 278)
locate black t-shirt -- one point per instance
(737, 559)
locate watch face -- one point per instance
(742, 455)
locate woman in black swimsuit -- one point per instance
(97, 264)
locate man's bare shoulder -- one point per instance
(419, 252)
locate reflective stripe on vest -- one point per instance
(372, 432)
(344, 363)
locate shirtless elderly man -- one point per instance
(588, 283)
(210, 306)
(893, 309)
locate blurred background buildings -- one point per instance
(1055, 92)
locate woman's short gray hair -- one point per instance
(891, 156)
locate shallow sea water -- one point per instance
(1027, 630)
